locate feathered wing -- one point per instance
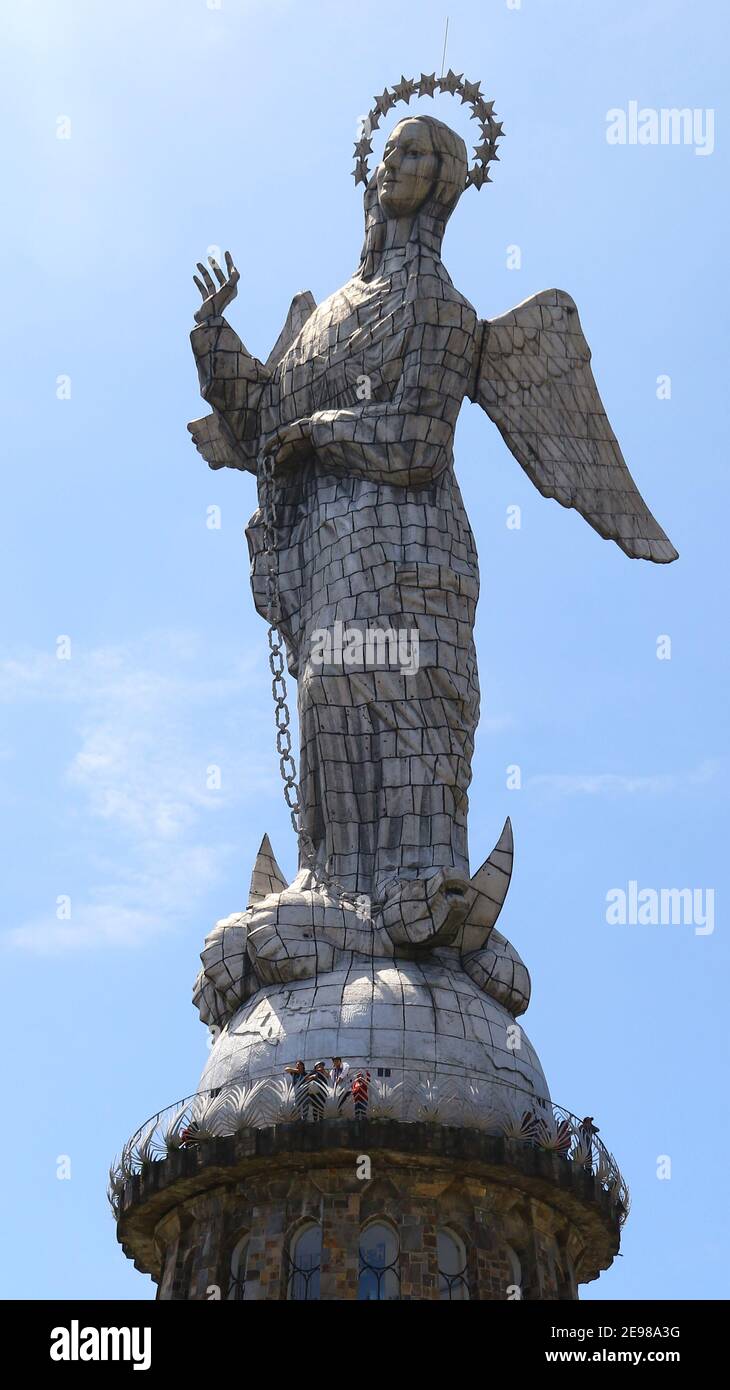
(301, 308)
(535, 382)
(212, 436)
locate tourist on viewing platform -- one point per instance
(318, 1087)
(338, 1077)
(300, 1082)
(587, 1131)
(360, 1088)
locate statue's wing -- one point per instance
(212, 436)
(301, 307)
(535, 382)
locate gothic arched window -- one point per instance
(237, 1289)
(305, 1258)
(453, 1284)
(379, 1275)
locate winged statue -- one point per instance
(361, 532)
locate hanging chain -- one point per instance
(276, 651)
(282, 717)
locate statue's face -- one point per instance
(410, 165)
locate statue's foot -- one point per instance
(282, 951)
(227, 977)
(300, 933)
(304, 930)
(422, 913)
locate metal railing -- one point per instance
(490, 1106)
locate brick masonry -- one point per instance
(526, 1221)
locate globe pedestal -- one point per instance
(408, 1023)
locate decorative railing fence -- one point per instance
(492, 1107)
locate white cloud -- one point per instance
(147, 899)
(618, 784)
(148, 727)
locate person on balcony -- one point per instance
(360, 1089)
(318, 1087)
(587, 1132)
(338, 1080)
(300, 1082)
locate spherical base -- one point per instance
(405, 1021)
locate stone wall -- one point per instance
(497, 1228)
(529, 1224)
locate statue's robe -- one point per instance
(372, 534)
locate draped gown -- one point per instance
(371, 534)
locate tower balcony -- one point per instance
(535, 1198)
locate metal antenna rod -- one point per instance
(443, 56)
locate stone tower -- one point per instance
(450, 1174)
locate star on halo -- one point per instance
(477, 176)
(427, 84)
(383, 103)
(471, 92)
(451, 82)
(404, 90)
(483, 109)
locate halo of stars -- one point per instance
(428, 84)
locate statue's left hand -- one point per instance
(216, 297)
(289, 442)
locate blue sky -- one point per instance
(194, 127)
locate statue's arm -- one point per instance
(407, 440)
(231, 379)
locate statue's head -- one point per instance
(421, 176)
(423, 161)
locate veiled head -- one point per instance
(422, 176)
(423, 160)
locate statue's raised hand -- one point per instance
(216, 297)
